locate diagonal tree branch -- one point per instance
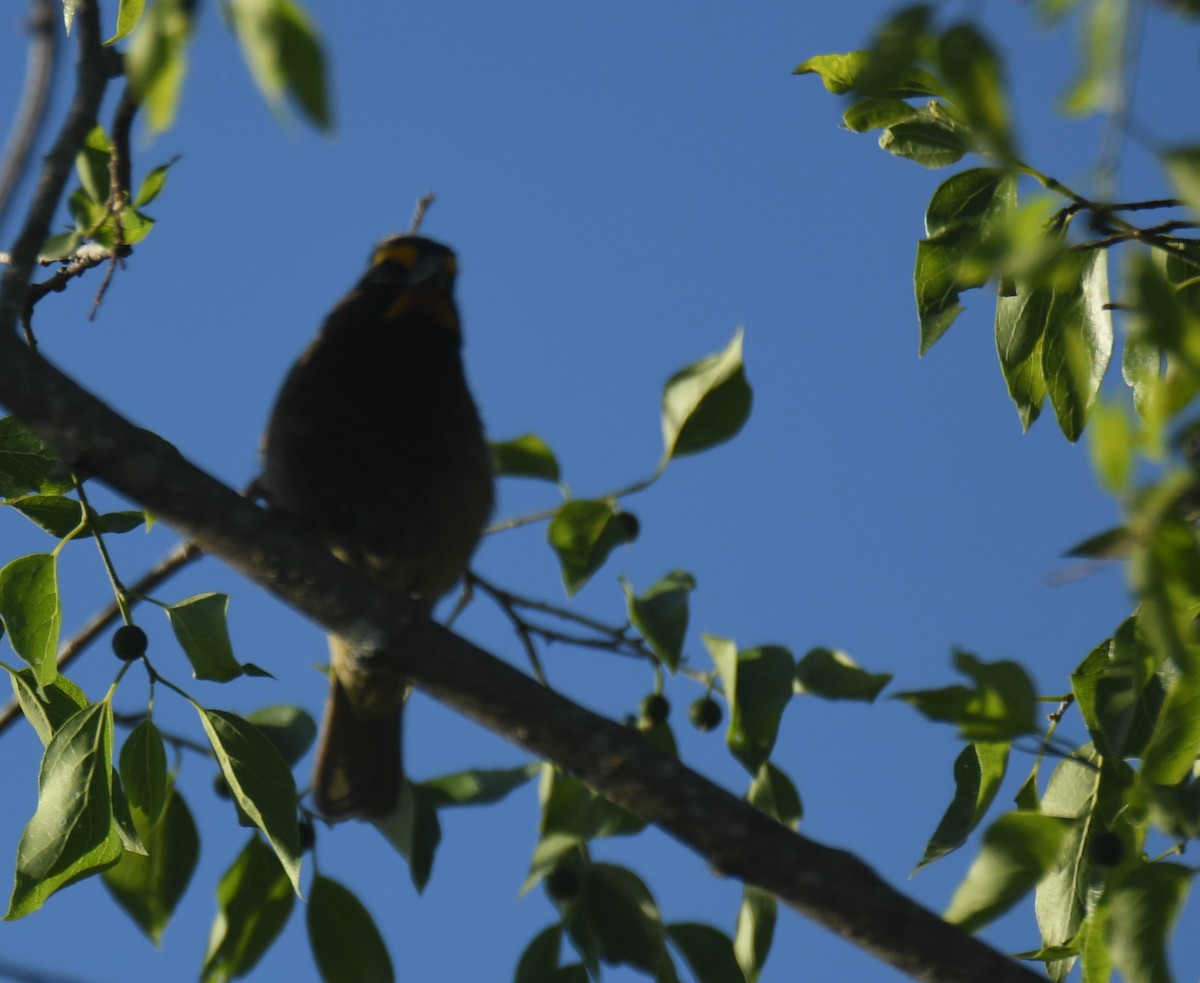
(830, 886)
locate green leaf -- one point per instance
(346, 945)
(833, 675)
(129, 12)
(1003, 704)
(254, 901)
(1069, 891)
(571, 808)
(1120, 692)
(927, 141)
(92, 165)
(143, 767)
(415, 831)
(937, 282)
(60, 515)
(978, 771)
(71, 835)
(282, 49)
(26, 461)
(1143, 907)
(707, 951)
(527, 456)
(1098, 82)
(477, 786)
(152, 184)
(843, 73)
(32, 611)
(583, 533)
(772, 792)
(706, 403)
(979, 200)
(289, 728)
(758, 686)
(261, 783)
(1183, 169)
(46, 707)
(149, 887)
(660, 614)
(203, 633)
(1078, 337)
(877, 112)
(755, 930)
(123, 818)
(1175, 743)
(156, 62)
(540, 959)
(1112, 445)
(973, 72)
(1164, 572)
(620, 913)
(1018, 850)
(1021, 318)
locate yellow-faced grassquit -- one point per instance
(375, 446)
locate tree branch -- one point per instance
(31, 113)
(829, 886)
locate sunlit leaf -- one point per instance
(32, 611)
(71, 834)
(706, 403)
(1018, 850)
(758, 686)
(527, 456)
(261, 783)
(660, 614)
(833, 675)
(978, 771)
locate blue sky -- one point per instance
(624, 186)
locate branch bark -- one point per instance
(829, 886)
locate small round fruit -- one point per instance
(562, 883)
(655, 708)
(308, 835)
(705, 714)
(129, 643)
(1106, 849)
(221, 788)
(629, 525)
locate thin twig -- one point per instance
(120, 190)
(31, 113)
(91, 80)
(423, 204)
(167, 567)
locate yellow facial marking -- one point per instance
(403, 253)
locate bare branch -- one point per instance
(91, 81)
(31, 113)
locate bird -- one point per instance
(375, 446)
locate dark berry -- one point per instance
(221, 788)
(562, 883)
(129, 643)
(1106, 849)
(308, 835)
(655, 708)
(705, 714)
(629, 525)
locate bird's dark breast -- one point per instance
(376, 446)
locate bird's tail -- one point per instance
(359, 770)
